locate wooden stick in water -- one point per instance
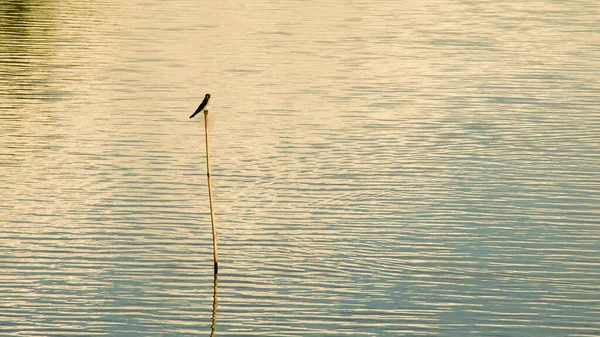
(210, 195)
(202, 107)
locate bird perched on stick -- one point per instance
(202, 105)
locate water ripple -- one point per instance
(378, 170)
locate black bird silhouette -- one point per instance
(202, 105)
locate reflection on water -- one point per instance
(25, 75)
(213, 326)
(388, 170)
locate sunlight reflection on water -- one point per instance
(378, 170)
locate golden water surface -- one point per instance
(380, 168)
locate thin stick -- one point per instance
(210, 195)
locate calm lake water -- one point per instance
(380, 168)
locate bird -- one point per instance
(202, 105)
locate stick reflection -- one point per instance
(213, 326)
